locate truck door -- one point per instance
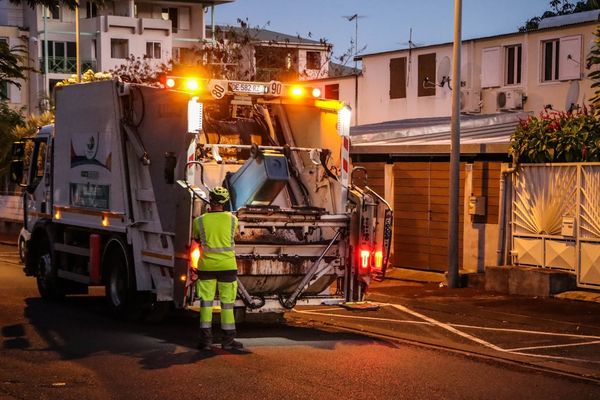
(37, 192)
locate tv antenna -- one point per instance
(355, 18)
(411, 45)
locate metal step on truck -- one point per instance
(111, 189)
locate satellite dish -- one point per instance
(443, 72)
(572, 96)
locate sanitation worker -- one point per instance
(217, 268)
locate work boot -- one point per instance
(205, 341)
(229, 342)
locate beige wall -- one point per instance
(375, 105)
(538, 93)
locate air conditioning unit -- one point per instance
(509, 99)
(470, 101)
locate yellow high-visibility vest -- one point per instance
(215, 231)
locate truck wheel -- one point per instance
(48, 283)
(22, 247)
(120, 280)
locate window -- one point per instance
(273, 57)
(54, 12)
(119, 48)
(153, 50)
(332, 92)
(398, 78)
(426, 73)
(171, 14)
(514, 56)
(550, 67)
(61, 56)
(313, 60)
(91, 9)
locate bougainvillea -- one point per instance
(556, 136)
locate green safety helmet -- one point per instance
(218, 195)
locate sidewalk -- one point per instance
(413, 275)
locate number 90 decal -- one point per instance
(275, 88)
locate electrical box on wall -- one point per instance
(477, 205)
(568, 226)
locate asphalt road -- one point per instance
(74, 350)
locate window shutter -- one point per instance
(569, 63)
(398, 78)
(184, 18)
(427, 64)
(490, 67)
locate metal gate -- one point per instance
(556, 219)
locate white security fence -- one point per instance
(556, 219)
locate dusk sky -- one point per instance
(385, 24)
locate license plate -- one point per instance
(245, 87)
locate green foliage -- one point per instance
(557, 137)
(594, 60)
(9, 119)
(560, 7)
(11, 60)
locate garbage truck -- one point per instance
(111, 189)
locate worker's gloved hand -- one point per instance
(192, 275)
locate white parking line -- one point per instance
(452, 328)
(554, 346)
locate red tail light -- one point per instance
(378, 259)
(365, 256)
(194, 254)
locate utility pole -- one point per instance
(77, 56)
(453, 212)
(46, 85)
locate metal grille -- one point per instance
(547, 200)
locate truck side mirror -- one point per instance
(18, 150)
(170, 163)
(16, 171)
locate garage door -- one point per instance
(421, 191)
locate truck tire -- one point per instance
(50, 286)
(120, 280)
(22, 247)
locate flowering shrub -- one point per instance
(557, 136)
(87, 76)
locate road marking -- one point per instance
(446, 327)
(315, 312)
(452, 328)
(486, 328)
(554, 346)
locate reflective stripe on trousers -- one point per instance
(206, 289)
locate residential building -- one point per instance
(402, 105)
(12, 33)
(522, 71)
(269, 55)
(159, 30)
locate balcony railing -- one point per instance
(67, 65)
